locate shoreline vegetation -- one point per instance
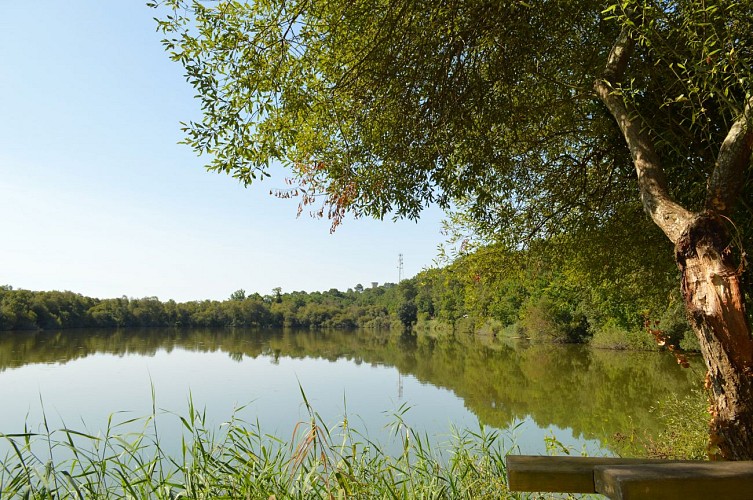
(237, 459)
(543, 294)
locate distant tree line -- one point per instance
(366, 308)
(545, 291)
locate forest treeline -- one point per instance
(551, 292)
(24, 310)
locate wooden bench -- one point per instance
(628, 478)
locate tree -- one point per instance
(534, 117)
(407, 311)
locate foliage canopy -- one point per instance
(386, 106)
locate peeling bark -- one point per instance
(713, 299)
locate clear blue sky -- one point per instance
(97, 197)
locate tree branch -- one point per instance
(734, 156)
(665, 212)
(618, 58)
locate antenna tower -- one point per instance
(399, 268)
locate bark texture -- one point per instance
(713, 299)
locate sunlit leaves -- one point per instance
(690, 79)
(381, 107)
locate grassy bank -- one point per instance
(128, 460)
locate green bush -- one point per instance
(545, 320)
(685, 430)
(612, 336)
(686, 435)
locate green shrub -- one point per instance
(686, 420)
(674, 324)
(612, 336)
(543, 319)
(685, 430)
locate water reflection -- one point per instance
(594, 393)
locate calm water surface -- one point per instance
(582, 397)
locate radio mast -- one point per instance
(399, 268)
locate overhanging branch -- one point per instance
(666, 213)
(734, 156)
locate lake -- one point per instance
(579, 396)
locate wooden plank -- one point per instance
(681, 481)
(560, 474)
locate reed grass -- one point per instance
(238, 460)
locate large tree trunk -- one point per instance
(711, 289)
(710, 279)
